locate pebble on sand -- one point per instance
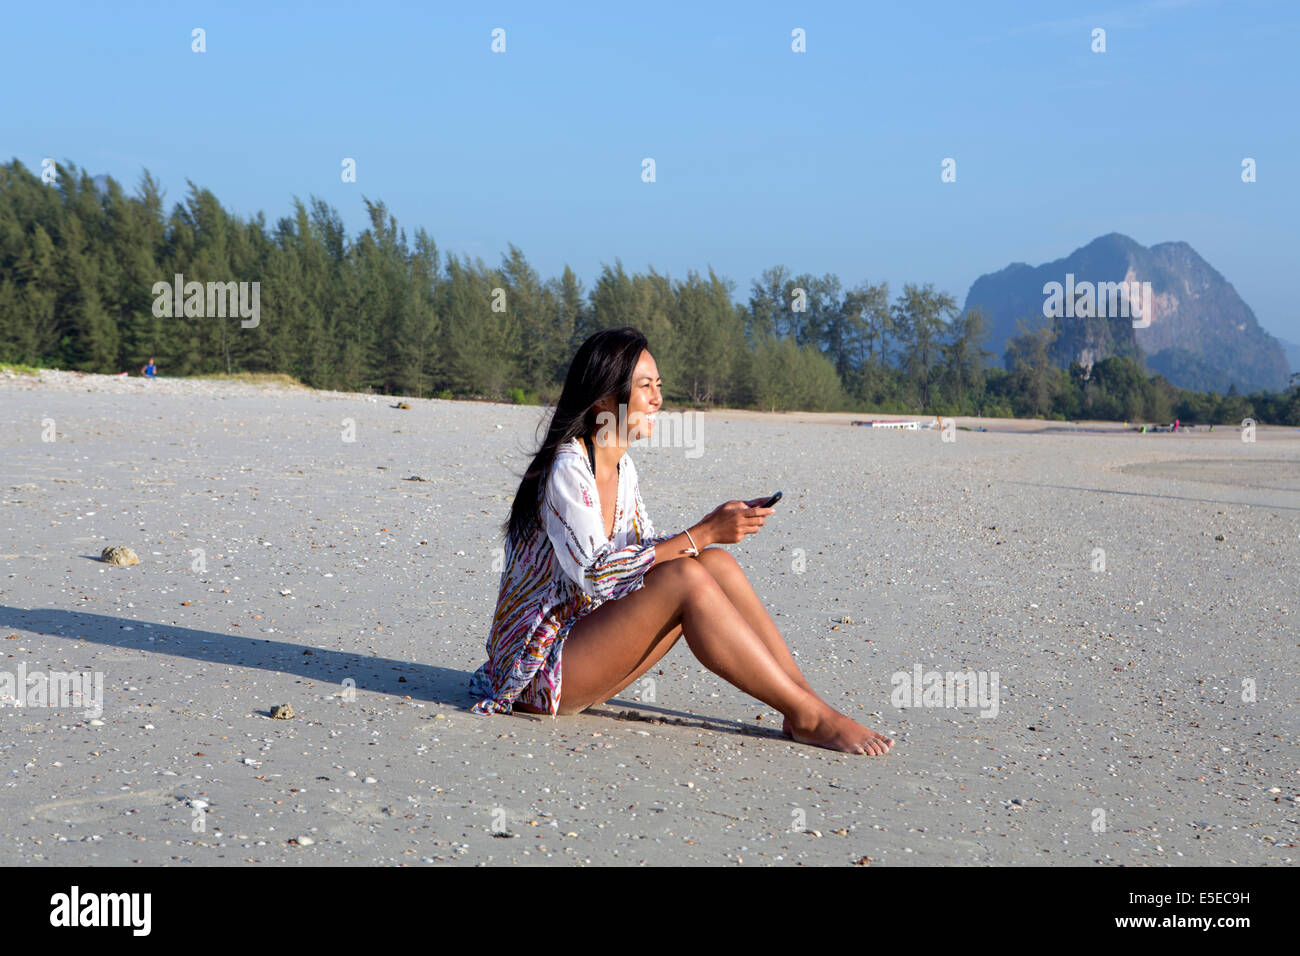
(119, 555)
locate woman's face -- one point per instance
(645, 398)
(642, 404)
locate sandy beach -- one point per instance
(334, 553)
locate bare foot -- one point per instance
(835, 731)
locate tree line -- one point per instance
(80, 259)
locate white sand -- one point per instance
(1120, 691)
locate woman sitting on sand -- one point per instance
(586, 575)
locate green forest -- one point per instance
(378, 312)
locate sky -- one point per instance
(826, 160)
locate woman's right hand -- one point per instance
(731, 521)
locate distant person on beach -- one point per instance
(150, 370)
(587, 581)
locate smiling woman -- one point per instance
(591, 598)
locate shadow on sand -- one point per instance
(444, 686)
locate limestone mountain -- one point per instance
(1200, 334)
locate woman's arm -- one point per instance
(676, 545)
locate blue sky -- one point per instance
(824, 161)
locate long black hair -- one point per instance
(602, 368)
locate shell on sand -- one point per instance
(119, 555)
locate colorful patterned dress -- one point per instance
(565, 570)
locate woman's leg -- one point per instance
(670, 639)
(729, 575)
(727, 572)
(622, 639)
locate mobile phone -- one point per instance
(771, 501)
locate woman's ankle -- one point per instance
(807, 717)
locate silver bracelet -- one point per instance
(692, 550)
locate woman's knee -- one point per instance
(718, 561)
(687, 573)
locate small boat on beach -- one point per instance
(910, 426)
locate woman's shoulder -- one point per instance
(568, 466)
(568, 455)
(573, 455)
